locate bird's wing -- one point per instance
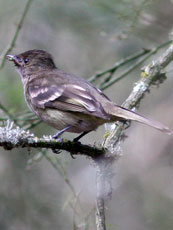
(67, 97)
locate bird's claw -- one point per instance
(57, 151)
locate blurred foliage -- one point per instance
(84, 37)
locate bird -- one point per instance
(67, 102)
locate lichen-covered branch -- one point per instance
(14, 137)
(153, 73)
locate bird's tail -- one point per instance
(118, 112)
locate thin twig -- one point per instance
(9, 115)
(126, 60)
(14, 38)
(5, 110)
(107, 84)
(133, 67)
(33, 125)
(118, 64)
(60, 168)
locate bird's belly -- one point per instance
(61, 119)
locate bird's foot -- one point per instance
(57, 151)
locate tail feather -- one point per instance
(120, 112)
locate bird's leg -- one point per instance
(77, 139)
(58, 134)
(80, 136)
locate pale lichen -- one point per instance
(13, 134)
(48, 137)
(139, 87)
(110, 126)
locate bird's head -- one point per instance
(31, 61)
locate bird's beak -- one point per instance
(10, 57)
(15, 59)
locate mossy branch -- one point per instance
(15, 137)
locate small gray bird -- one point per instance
(66, 102)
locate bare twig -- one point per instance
(60, 168)
(5, 110)
(107, 84)
(14, 38)
(118, 64)
(108, 81)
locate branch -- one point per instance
(14, 38)
(151, 74)
(100, 203)
(14, 137)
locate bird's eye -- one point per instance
(26, 60)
